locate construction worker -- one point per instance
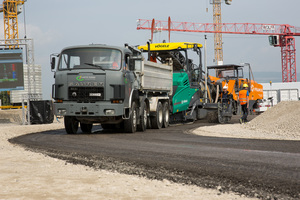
(153, 57)
(225, 94)
(244, 101)
(116, 63)
(116, 59)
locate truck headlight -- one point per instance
(109, 112)
(61, 111)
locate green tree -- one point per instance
(5, 98)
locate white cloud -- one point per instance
(41, 37)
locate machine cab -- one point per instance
(181, 56)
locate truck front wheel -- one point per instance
(130, 124)
(143, 117)
(71, 124)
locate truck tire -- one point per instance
(71, 125)
(143, 118)
(86, 128)
(157, 119)
(166, 113)
(130, 124)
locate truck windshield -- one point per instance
(90, 58)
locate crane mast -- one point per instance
(11, 9)
(218, 43)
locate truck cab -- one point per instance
(89, 74)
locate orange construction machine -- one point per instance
(231, 78)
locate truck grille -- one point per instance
(86, 94)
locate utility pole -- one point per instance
(205, 66)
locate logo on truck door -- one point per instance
(82, 78)
(79, 78)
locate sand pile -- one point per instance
(278, 123)
(282, 119)
(11, 116)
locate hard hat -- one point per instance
(225, 87)
(245, 85)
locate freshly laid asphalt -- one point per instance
(267, 169)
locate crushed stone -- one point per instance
(280, 122)
(282, 119)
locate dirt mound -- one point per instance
(11, 116)
(278, 123)
(282, 119)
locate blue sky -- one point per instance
(56, 24)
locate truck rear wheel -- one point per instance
(166, 113)
(130, 124)
(86, 128)
(143, 118)
(71, 124)
(157, 119)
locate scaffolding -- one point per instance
(29, 60)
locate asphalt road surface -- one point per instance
(267, 169)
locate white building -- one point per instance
(17, 95)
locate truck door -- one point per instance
(129, 78)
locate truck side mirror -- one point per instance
(52, 63)
(52, 60)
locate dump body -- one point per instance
(156, 77)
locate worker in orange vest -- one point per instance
(153, 57)
(244, 101)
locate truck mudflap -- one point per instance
(126, 114)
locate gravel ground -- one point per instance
(28, 175)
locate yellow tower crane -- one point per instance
(217, 17)
(11, 9)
